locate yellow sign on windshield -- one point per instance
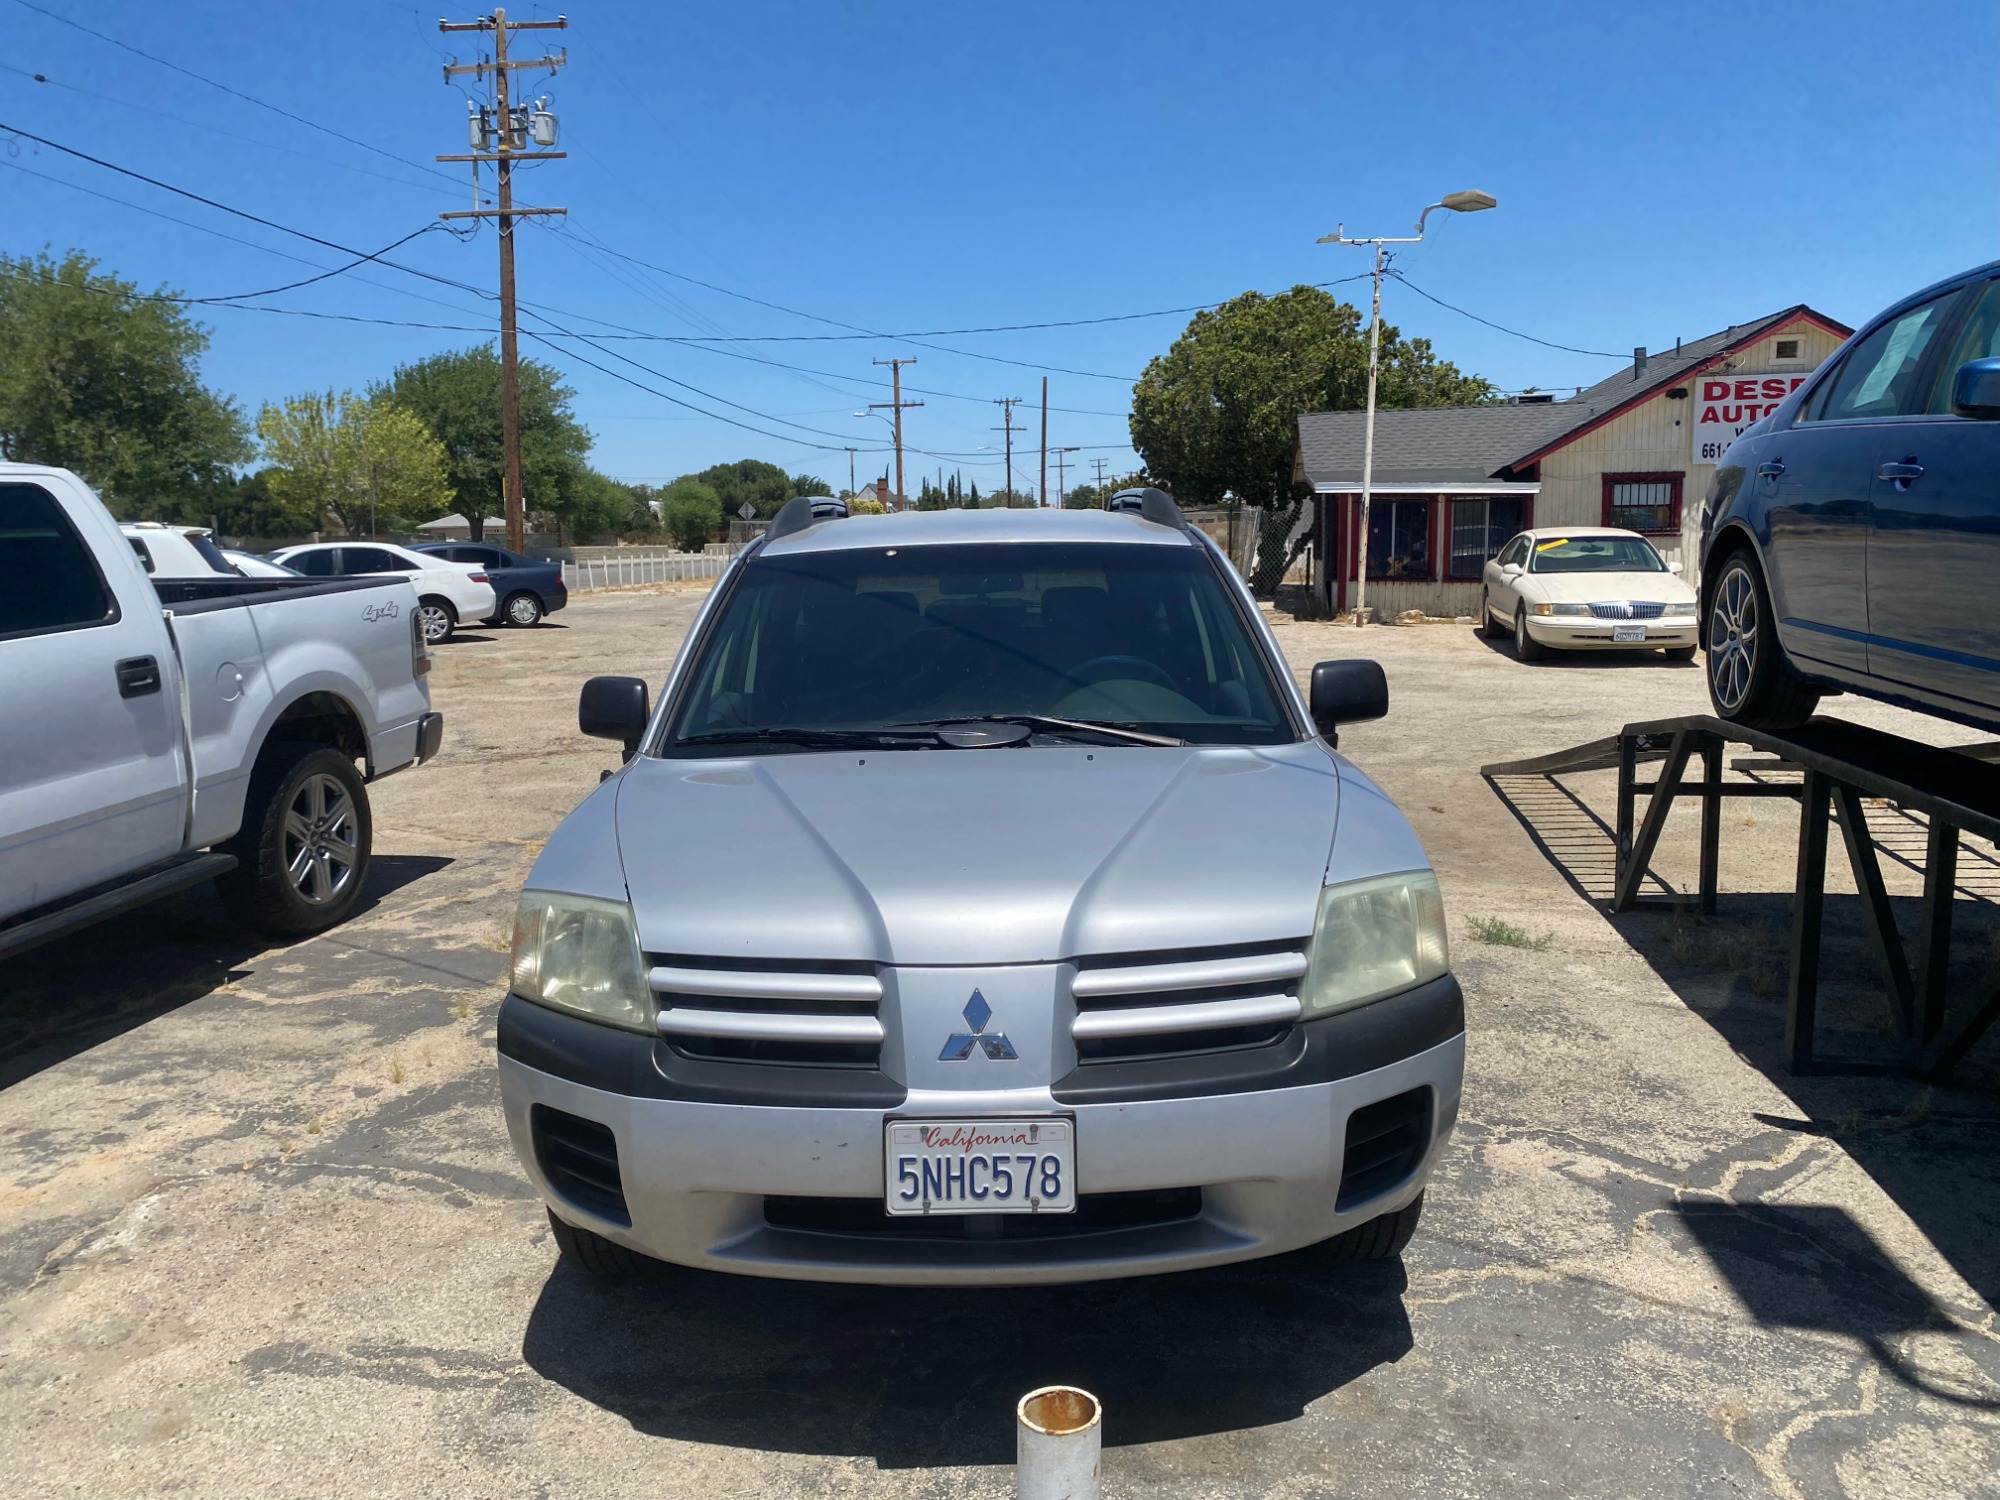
(1561, 541)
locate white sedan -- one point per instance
(447, 592)
(1587, 588)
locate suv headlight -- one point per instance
(1372, 938)
(581, 954)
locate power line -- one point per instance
(1501, 327)
(234, 92)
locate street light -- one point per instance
(1468, 202)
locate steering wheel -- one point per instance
(1105, 668)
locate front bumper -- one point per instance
(1571, 633)
(1264, 1148)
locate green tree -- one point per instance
(765, 486)
(97, 377)
(590, 504)
(457, 396)
(369, 464)
(689, 511)
(810, 484)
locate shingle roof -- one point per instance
(1464, 444)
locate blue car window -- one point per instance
(1875, 378)
(1978, 339)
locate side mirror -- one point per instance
(1675, 567)
(1512, 570)
(614, 708)
(1345, 692)
(1975, 389)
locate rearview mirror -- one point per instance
(1975, 389)
(1346, 692)
(614, 708)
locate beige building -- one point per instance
(1452, 484)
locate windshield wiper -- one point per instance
(814, 739)
(1052, 724)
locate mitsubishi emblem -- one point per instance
(958, 1046)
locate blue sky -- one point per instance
(1662, 171)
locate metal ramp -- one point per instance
(1955, 790)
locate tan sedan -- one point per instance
(1587, 588)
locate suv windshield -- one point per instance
(1595, 554)
(883, 645)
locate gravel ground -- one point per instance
(261, 1232)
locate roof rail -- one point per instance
(1149, 504)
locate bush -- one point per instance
(689, 512)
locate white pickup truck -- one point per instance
(158, 732)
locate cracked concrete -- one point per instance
(261, 1232)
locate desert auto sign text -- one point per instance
(1726, 404)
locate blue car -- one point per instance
(1851, 536)
(526, 589)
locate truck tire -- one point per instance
(1749, 680)
(436, 619)
(302, 853)
(1379, 1239)
(594, 1255)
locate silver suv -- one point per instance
(982, 903)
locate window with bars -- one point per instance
(1399, 539)
(1643, 502)
(1480, 528)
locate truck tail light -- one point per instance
(420, 654)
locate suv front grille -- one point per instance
(1385, 1142)
(1164, 1004)
(810, 1014)
(579, 1157)
(1096, 1213)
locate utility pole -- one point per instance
(1007, 405)
(1061, 460)
(1471, 201)
(897, 404)
(507, 130)
(850, 472)
(1102, 497)
(1042, 489)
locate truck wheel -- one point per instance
(437, 619)
(1749, 680)
(522, 609)
(1379, 1239)
(594, 1255)
(302, 853)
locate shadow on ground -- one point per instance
(70, 995)
(1934, 1149)
(917, 1377)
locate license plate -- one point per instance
(1628, 634)
(980, 1166)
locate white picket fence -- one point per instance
(654, 567)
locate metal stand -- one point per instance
(1842, 763)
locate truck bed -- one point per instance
(190, 596)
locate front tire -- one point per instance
(522, 609)
(1749, 680)
(304, 846)
(1379, 1239)
(1526, 647)
(594, 1255)
(437, 619)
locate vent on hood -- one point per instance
(788, 1011)
(1156, 1005)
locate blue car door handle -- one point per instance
(1901, 473)
(1772, 470)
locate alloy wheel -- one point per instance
(1732, 637)
(436, 620)
(523, 609)
(320, 842)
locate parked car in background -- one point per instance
(1850, 535)
(447, 592)
(1587, 588)
(1076, 950)
(161, 731)
(168, 551)
(527, 589)
(250, 565)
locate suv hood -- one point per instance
(991, 856)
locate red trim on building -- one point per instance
(1676, 477)
(1783, 321)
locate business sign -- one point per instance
(1726, 404)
